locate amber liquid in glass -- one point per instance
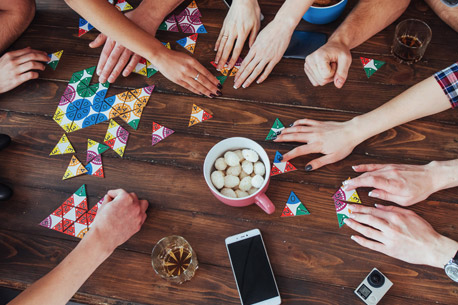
(176, 261)
(407, 50)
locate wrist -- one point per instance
(358, 130)
(340, 39)
(442, 251)
(443, 174)
(99, 244)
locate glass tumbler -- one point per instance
(411, 38)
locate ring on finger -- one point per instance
(197, 76)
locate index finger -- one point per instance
(369, 179)
(227, 51)
(144, 204)
(115, 193)
(299, 151)
(237, 51)
(214, 82)
(106, 51)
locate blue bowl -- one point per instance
(323, 15)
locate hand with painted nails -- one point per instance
(266, 52)
(330, 63)
(242, 20)
(187, 72)
(115, 58)
(20, 66)
(335, 140)
(404, 184)
(400, 233)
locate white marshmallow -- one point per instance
(252, 190)
(238, 152)
(250, 155)
(245, 184)
(241, 194)
(234, 170)
(231, 181)
(257, 181)
(228, 193)
(217, 178)
(259, 168)
(231, 158)
(247, 167)
(220, 164)
(243, 175)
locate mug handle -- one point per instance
(264, 203)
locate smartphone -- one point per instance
(229, 3)
(304, 43)
(252, 271)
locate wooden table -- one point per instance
(314, 261)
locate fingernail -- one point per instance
(353, 237)
(354, 167)
(212, 95)
(308, 168)
(98, 72)
(376, 205)
(273, 138)
(280, 157)
(351, 216)
(243, 86)
(291, 125)
(257, 82)
(278, 133)
(219, 93)
(218, 69)
(215, 50)
(216, 62)
(219, 86)
(235, 87)
(339, 81)
(345, 221)
(372, 194)
(111, 79)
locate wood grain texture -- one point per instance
(314, 261)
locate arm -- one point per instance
(448, 14)
(400, 233)
(15, 17)
(331, 62)
(178, 67)
(106, 233)
(271, 43)
(114, 57)
(336, 140)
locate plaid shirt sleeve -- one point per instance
(448, 80)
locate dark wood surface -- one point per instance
(314, 261)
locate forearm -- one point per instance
(15, 17)
(423, 99)
(441, 251)
(157, 10)
(448, 14)
(291, 12)
(367, 19)
(59, 285)
(444, 174)
(108, 20)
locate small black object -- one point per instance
(219, 86)
(278, 133)
(5, 140)
(376, 279)
(212, 95)
(308, 168)
(219, 93)
(274, 137)
(5, 192)
(291, 125)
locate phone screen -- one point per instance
(252, 270)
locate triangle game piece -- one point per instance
(75, 168)
(123, 5)
(95, 167)
(189, 43)
(277, 127)
(169, 24)
(280, 167)
(371, 65)
(63, 147)
(54, 59)
(221, 79)
(343, 195)
(84, 27)
(198, 115)
(94, 149)
(160, 133)
(116, 138)
(294, 207)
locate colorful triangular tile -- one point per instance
(54, 59)
(95, 167)
(189, 43)
(190, 10)
(94, 149)
(342, 211)
(224, 71)
(141, 66)
(53, 222)
(169, 24)
(343, 195)
(116, 138)
(84, 27)
(132, 118)
(75, 168)
(123, 5)
(63, 147)
(279, 167)
(371, 65)
(160, 133)
(198, 115)
(221, 79)
(191, 24)
(294, 207)
(277, 127)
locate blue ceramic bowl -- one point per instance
(323, 15)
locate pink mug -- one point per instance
(259, 197)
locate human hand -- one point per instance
(243, 19)
(120, 216)
(266, 52)
(400, 233)
(115, 58)
(187, 72)
(399, 183)
(330, 63)
(335, 140)
(17, 67)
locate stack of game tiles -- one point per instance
(341, 197)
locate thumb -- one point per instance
(98, 41)
(343, 65)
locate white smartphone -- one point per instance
(251, 267)
(229, 3)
